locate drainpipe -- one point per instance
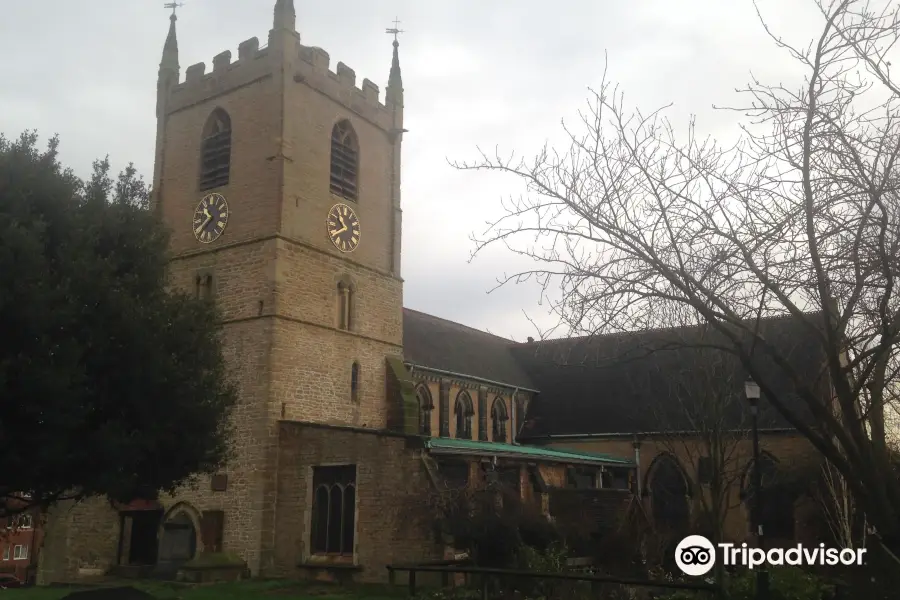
(636, 444)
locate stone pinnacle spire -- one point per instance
(395, 81)
(170, 49)
(285, 15)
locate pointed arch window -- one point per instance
(203, 286)
(778, 519)
(344, 161)
(425, 404)
(464, 412)
(334, 510)
(354, 382)
(669, 494)
(215, 151)
(499, 419)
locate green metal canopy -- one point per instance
(488, 449)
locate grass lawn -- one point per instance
(245, 590)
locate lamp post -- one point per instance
(751, 389)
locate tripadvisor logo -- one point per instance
(695, 556)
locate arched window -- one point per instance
(344, 161)
(334, 510)
(668, 489)
(425, 404)
(345, 305)
(203, 286)
(354, 382)
(499, 417)
(215, 151)
(778, 500)
(464, 411)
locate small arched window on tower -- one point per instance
(345, 305)
(354, 382)
(344, 161)
(203, 285)
(499, 417)
(215, 151)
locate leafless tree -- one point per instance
(839, 509)
(799, 217)
(702, 422)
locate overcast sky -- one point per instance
(476, 73)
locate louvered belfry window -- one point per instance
(215, 151)
(344, 161)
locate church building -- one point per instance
(279, 177)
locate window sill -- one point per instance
(330, 564)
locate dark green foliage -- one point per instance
(109, 384)
(786, 583)
(493, 525)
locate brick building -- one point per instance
(680, 409)
(280, 182)
(20, 540)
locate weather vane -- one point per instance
(395, 30)
(173, 6)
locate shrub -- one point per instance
(785, 583)
(492, 526)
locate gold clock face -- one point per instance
(342, 226)
(210, 218)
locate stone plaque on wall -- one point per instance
(219, 482)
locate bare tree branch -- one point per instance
(800, 217)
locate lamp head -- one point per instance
(751, 389)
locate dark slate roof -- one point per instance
(648, 381)
(447, 346)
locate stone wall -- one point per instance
(81, 540)
(392, 525)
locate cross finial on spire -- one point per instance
(395, 82)
(173, 6)
(395, 30)
(170, 49)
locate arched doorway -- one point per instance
(177, 541)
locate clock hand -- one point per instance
(339, 231)
(204, 224)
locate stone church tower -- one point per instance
(280, 182)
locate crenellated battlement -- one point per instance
(314, 70)
(311, 66)
(226, 74)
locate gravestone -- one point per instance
(116, 593)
